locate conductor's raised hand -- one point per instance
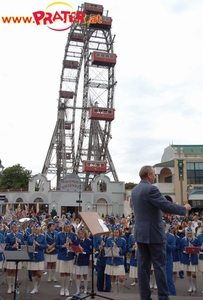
(188, 206)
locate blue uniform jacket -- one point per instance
(83, 258)
(178, 249)
(186, 257)
(60, 241)
(133, 259)
(200, 242)
(10, 240)
(39, 250)
(170, 246)
(148, 204)
(121, 244)
(50, 240)
(1, 242)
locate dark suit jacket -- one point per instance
(148, 204)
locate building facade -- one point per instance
(179, 175)
(104, 196)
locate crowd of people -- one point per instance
(52, 242)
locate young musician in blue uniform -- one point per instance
(13, 241)
(1, 242)
(190, 261)
(82, 259)
(36, 265)
(51, 251)
(200, 243)
(28, 231)
(170, 248)
(176, 254)
(115, 265)
(99, 244)
(65, 258)
(132, 248)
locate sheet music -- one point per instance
(101, 222)
(111, 252)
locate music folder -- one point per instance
(191, 250)
(111, 252)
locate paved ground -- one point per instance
(51, 290)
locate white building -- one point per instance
(104, 196)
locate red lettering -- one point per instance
(47, 18)
(80, 17)
(6, 19)
(65, 13)
(57, 16)
(38, 16)
(99, 21)
(93, 20)
(72, 17)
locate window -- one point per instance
(168, 179)
(195, 173)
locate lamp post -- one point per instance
(79, 201)
(180, 168)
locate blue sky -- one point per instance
(158, 97)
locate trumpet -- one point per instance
(180, 228)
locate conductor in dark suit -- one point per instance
(148, 204)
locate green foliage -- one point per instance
(130, 185)
(15, 177)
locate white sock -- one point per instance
(78, 285)
(193, 284)
(38, 281)
(34, 280)
(62, 279)
(49, 274)
(190, 281)
(85, 284)
(9, 281)
(53, 273)
(113, 287)
(67, 282)
(121, 284)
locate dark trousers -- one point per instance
(156, 254)
(100, 280)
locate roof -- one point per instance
(169, 163)
(189, 148)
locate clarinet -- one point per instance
(35, 237)
(113, 242)
(100, 253)
(77, 256)
(16, 241)
(67, 248)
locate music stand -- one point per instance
(93, 223)
(192, 250)
(16, 256)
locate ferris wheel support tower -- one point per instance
(79, 143)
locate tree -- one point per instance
(15, 177)
(130, 185)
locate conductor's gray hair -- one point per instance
(144, 171)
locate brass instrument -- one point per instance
(180, 228)
(128, 255)
(51, 249)
(95, 252)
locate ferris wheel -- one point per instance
(86, 108)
